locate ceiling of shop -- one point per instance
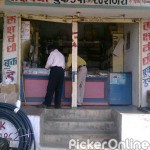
(61, 11)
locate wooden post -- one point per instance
(74, 63)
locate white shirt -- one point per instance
(55, 58)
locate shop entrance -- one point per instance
(96, 44)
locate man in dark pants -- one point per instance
(56, 63)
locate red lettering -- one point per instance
(146, 47)
(146, 60)
(11, 48)
(11, 19)
(146, 36)
(11, 29)
(2, 125)
(146, 26)
(10, 74)
(74, 44)
(11, 38)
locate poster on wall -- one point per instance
(117, 78)
(25, 30)
(10, 49)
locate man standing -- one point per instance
(82, 72)
(56, 64)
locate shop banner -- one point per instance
(145, 59)
(10, 48)
(145, 3)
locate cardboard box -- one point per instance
(9, 88)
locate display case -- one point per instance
(34, 90)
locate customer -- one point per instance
(82, 72)
(56, 64)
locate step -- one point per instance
(55, 138)
(54, 148)
(101, 114)
(79, 125)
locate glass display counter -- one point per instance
(34, 90)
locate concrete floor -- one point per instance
(34, 110)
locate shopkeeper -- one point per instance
(82, 72)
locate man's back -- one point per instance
(55, 58)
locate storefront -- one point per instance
(111, 47)
(96, 44)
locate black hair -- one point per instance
(52, 46)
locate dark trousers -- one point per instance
(55, 85)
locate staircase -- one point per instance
(59, 126)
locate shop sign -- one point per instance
(89, 2)
(10, 49)
(145, 59)
(146, 53)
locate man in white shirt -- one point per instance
(56, 64)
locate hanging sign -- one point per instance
(90, 2)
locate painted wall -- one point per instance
(145, 60)
(131, 59)
(136, 128)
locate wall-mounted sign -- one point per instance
(10, 49)
(25, 30)
(89, 2)
(117, 78)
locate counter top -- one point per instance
(66, 78)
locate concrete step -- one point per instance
(61, 140)
(101, 114)
(79, 125)
(62, 125)
(54, 148)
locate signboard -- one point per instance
(10, 49)
(145, 59)
(117, 78)
(25, 30)
(145, 3)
